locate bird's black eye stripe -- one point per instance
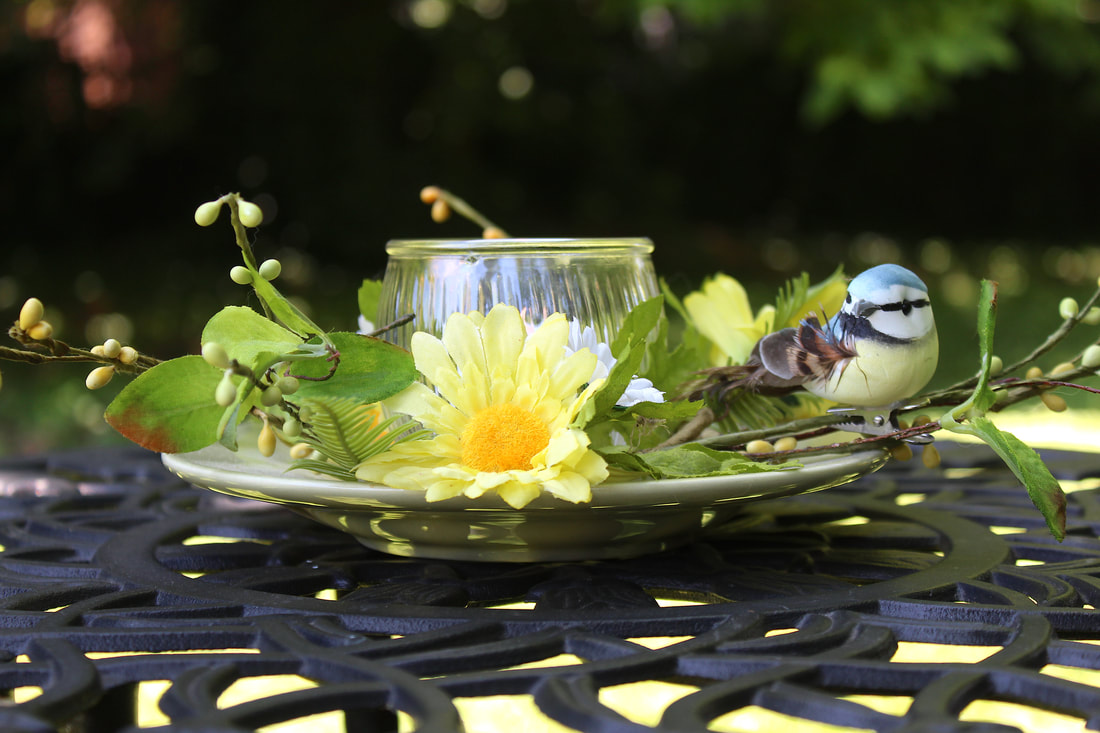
(848, 298)
(905, 306)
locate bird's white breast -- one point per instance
(883, 373)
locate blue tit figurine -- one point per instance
(880, 349)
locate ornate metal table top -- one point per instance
(803, 609)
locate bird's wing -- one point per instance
(804, 353)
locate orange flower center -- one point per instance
(502, 438)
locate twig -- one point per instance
(397, 323)
(1051, 341)
(59, 351)
(690, 430)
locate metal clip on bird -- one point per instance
(880, 421)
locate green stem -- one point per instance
(1008, 393)
(240, 232)
(462, 208)
(1051, 341)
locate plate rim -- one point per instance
(208, 468)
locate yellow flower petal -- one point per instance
(543, 349)
(572, 374)
(719, 294)
(512, 376)
(824, 299)
(503, 336)
(441, 490)
(518, 495)
(571, 487)
(764, 320)
(486, 480)
(462, 340)
(721, 312)
(593, 467)
(429, 354)
(566, 446)
(413, 400)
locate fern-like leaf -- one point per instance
(791, 297)
(797, 295)
(328, 468)
(345, 433)
(751, 411)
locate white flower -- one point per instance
(639, 389)
(365, 326)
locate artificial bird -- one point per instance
(879, 349)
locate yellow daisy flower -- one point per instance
(502, 412)
(721, 312)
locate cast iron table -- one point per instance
(798, 609)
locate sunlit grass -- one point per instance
(1075, 429)
(912, 652)
(644, 702)
(753, 719)
(504, 714)
(1027, 719)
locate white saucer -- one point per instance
(624, 519)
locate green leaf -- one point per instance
(691, 354)
(629, 348)
(369, 370)
(987, 320)
(792, 295)
(346, 433)
(638, 324)
(257, 343)
(672, 411)
(692, 460)
(285, 312)
(245, 333)
(1028, 466)
(983, 398)
(627, 364)
(370, 292)
(643, 425)
(969, 419)
(235, 413)
(170, 408)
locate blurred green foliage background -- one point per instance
(760, 138)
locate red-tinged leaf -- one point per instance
(170, 408)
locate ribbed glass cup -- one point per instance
(596, 281)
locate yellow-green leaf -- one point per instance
(1028, 466)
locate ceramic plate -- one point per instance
(624, 519)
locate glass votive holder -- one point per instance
(595, 281)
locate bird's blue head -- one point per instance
(889, 299)
(881, 278)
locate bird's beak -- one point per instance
(864, 308)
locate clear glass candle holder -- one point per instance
(595, 281)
